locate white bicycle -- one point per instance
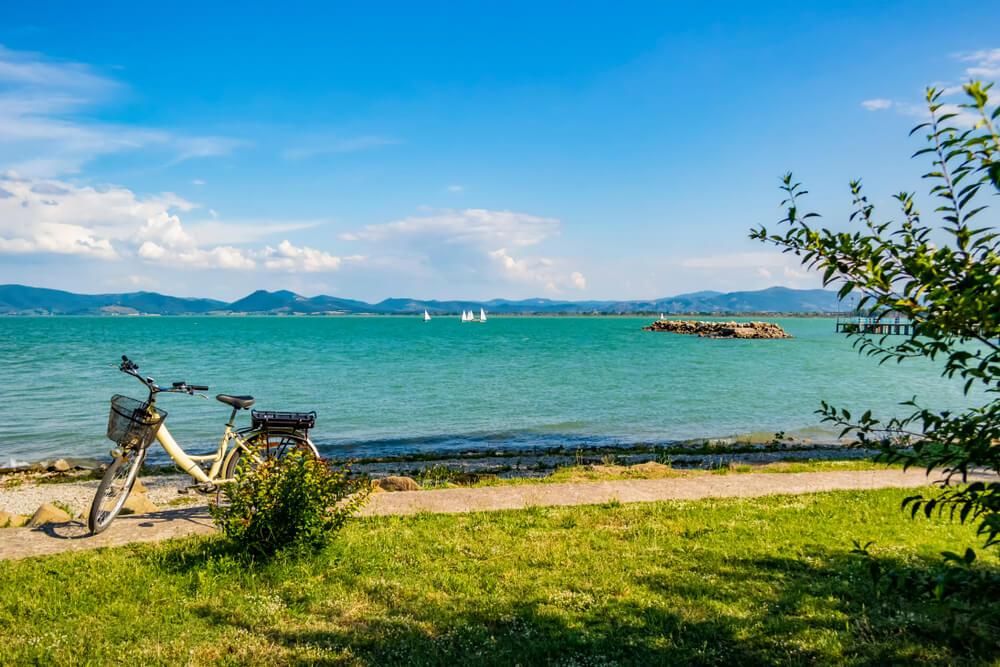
(134, 424)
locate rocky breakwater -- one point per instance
(719, 329)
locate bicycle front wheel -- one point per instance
(114, 489)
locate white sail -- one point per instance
(482, 315)
(427, 317)
(465, 316)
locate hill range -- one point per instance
(24, 300)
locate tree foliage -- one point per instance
(944, 278)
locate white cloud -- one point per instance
(986, 63)
(48, 216)
(876, 105)
(764, 264)
(41, 130)
(552, 274)
(197, 181)
(466, 227)
(455, 188)
(287, 257)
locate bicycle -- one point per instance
(134, 424)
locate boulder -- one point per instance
(138, 503)
(8, 520)
(139, 487)
(398, 484)
(61, 465)
(472, 477)
(719, 329)
(48, 513)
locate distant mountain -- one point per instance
(19, 299)
(22, 300)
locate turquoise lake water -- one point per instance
(396, 384)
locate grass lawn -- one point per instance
(442, 477)
(732, 581)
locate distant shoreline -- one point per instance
(646, 315)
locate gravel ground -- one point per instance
(163, 489)
(27, 497)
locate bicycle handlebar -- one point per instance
(129, 367)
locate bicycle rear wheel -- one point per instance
(114, 489)
(270, 445)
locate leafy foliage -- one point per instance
(943, 278)
(297, 502)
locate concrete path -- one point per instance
(73, 536)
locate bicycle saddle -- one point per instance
(241, 402)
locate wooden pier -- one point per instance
(887, 325)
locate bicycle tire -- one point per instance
(270, 445)
(107, 504)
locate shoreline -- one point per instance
(449, 315)
(742, 443)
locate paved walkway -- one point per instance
(73, 536)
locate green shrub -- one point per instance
(295, 503)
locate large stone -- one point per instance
(61, 465)
(719, 329)
(8, 520)
(398, 484)
(139, 487)
(48, 513)
(138, 503)
(468, 478)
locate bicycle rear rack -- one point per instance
(298, 421)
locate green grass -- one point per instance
(442, 477)
(733, 581)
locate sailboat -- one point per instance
(427, 317)
(482, 315)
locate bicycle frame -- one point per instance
(187, 462)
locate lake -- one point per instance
(384, 385)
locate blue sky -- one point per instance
(449, 151)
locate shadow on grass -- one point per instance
(813, 611)
(880, 610)
(613, 633)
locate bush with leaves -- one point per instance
(294, 503)
(946, 279)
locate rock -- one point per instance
(719, 329)
(472, 477)
(8, 520)
(138, 503)
(61, 465)
(398, 484)
(139, 487)
(48, 513)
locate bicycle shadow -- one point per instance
(135, 527)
